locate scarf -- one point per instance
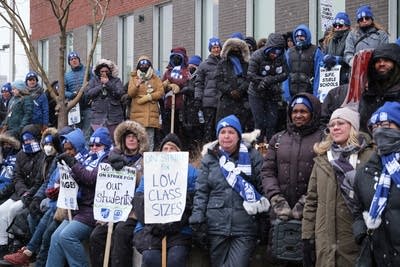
(234, 174)
(176, 73)
(93, 160)
(388, 142)
(237, 67)
(31, 148)
(145, 76)
(36, 91)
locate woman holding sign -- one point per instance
(148, 237)
(227, 196)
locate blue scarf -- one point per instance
(237, 67)
(31, 148)
(176, 73)
(233, 174)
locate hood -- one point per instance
(390, 51)
(143, 57)
(111, 65)
(232, 43)
(314, 124)
(135, 128)
(77, 139)
(34, 129)
(179, 51)
(274, 40)
(56, 138)
(306, 30)
(5, 138)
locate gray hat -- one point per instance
(349, 115)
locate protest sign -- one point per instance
(328, 79)
(165, 185)
(114, 193)
(67, 197)
(74, 115)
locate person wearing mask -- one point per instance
(40, 114)
(330, 200)
(368, 34)
(206, 92)
(145, 89)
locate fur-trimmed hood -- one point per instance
(56, 138)
(134, 127)
(111, 65)
(232, 43)
(5, 138)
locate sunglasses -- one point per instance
(364, 19)
(96, 145)
(338, 25)
(381, 124)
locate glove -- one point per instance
(360, 238)
(117, 161)
(281, 207)
(26, 199)
(199, 235)
(52, 193)
(175, 88)
(309, 253)
(166, 84)
(329, 61)
(197, 103)
(144, 99)
(69, 160)
(34, 207)
(235, 94)
(297, 211)
(252, 208)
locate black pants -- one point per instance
(121, 244)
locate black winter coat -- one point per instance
(205, 84)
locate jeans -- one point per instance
(44, 248)
(177, 256)
(8, 211)
(36, 239)
(66, 244)
(265, 115)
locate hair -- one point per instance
(261, 42)
(323, 146)
(375, 24)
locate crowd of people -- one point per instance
(276, 157)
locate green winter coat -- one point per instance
(19, 114)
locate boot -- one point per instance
(19, 257)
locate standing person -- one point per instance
(227, 196)
(6, 94)
(131, 141)
(105, 92)
(289, 160)
(327, 215)
(148, 237)
(206, 92)
(40, 114)
(335, 43)
(66, 242)
(303, 60)
(231, 79)
(145, 89)
(367, 34)
(377, 190)
(267, 69)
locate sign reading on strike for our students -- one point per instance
(165, 184)
(67, 197)
(114, 193)
(328, 79)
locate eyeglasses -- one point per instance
(104, 71)
(338, 123)
(96, 145)
(381, 124)
(338, 25)
(364, 19)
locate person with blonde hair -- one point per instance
(327, 215)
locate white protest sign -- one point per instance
(328, 79)
(165, 185)
(327, 14)
(74, 115)
(67, 197)
(114, 193)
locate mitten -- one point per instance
(69, 160)
(329, 61)
(309, 255)
(117, 161)
(200, 235)
(281, 207)
(297, 211)
(166, 84)
(52, 193)
(144, 99)
(34, 207)
(252, 208)
(235, 94)
(175, 88)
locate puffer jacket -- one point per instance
(205, 84)
(19, 114)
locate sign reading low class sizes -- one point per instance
(114, 193)
(328, 79)
(165, 185)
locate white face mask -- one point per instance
(49, 150)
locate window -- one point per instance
(97, 51)
(126, 60)
(43, 53)
(260, 18)
(206, 22)
(162, 44)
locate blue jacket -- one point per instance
(40, 113)
(73, 80)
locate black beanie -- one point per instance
(171, 137)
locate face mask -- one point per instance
(49, 150)
(144, 68)
(176, 60)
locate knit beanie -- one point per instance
(101, 136)
(231, 121)
(195, 60)
(172, 139)
(30, 75)
(214, 41)
(72, 55)
(342, 18)
(390, 111)
(238, 35)
(6, 87)
(252, 42)
(364, 11)
(302, 100)
(349, 115)
(19, 85)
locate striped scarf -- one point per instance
(31, 148)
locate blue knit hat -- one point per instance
(364, 11)
(72, 55)
(214, 41)
(231, 121)
(390, 111)
(302, 100)
(195, 60)
(6, 87)
(30, 75)
(342, 18)
(19, 85)
(238, 35)
(101, 136)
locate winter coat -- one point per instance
(40, 114)
(147, 113)
(273, 72)
(386, 238)
(227, 80)
(217, 204)
(190, 120)
(326, 217)
(7, 165)
(105, 99)
(3, 109)
(205, 85)
(289, 160)
(19, 114)
(179, 233)
(358, 40)
(73, 80)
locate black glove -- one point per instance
(69, 160)
(329, 61)
(197, 103)
(360, 237)
(117, 161)
(200, 235)
(26, 199)
(309, 255)
(34, 207)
